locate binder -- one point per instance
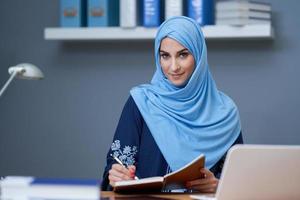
(151, 13)
(173, 8)
(128, 13)
(103, 13)
(72, 13)
(202, 11)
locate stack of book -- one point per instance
(16, 187)
(241, 12)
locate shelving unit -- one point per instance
(261, 31)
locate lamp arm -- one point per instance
(12, 76)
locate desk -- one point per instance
(112, 196)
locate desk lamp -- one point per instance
(23, 71)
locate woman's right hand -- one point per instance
(121, 173)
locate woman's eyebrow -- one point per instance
(182, 50)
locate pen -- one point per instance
(120, 162)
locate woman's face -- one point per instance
(176, 61)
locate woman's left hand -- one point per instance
(207, 184)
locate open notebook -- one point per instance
(174, 180)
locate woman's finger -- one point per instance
(207, 173)
(113, 178)
(121, 169)
(119, 174)
(202, 181)
(208, 183)
(204, 187)
(132, 169)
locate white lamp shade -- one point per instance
(26, 71)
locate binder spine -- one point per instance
(97, 13)
(72, 13)
(173, 8)
(103, 13)
(151, 13)
(113, 12)
(202, 11)
(128, 13)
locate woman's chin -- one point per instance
(178, 83)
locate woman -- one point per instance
(181, 114)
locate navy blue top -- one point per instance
(133, 144)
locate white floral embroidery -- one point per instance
(115, 145)
(127, 155)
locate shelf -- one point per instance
(261, 31)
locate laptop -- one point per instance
(259, 172)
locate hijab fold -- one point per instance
(194, 118)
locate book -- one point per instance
(243, 5)
(173, 8)
(128, 13)
(151, 13)
(103, 13)
(171, 181)
(202, 11)
(18, 187)
(72, 13)
(242, 14)
(242, 21)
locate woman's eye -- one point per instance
(184, 54)
(164, 56)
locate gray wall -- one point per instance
(63, 126)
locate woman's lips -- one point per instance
(176, 76)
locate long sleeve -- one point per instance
(133, 143)
(126, 140)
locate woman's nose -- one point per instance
(175, 66)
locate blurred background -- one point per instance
(63, 125)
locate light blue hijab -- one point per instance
(195, 118)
